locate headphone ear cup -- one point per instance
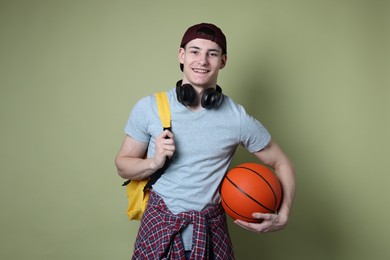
(186, 94)
(211, 98)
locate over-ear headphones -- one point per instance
(186, 94)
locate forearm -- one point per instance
(130, 161)
(286, 174)
(134, 168)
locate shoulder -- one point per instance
(151, 99)
(146, 100)
(145, 105)
(232, 106)
(143, 109)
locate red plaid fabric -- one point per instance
(159, 234)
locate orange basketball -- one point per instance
(249, 188)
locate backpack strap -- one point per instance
(164, 111)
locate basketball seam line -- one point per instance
(249, 196)
(235, 212)
(269, 185)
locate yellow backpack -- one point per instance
(138, 191)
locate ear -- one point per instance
(181, 55)
(223, 61)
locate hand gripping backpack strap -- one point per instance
(164, 113)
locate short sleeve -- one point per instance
(254, 136)
(137, 124)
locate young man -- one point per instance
(184, 218)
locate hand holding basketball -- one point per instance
(267, 223)
(251, 194)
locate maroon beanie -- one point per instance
(206, 31)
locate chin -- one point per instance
(202, 82)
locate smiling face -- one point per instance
(202, 59)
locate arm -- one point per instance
(130, 161)
(273, 156)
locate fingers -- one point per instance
(168, 148)
(167, 143)
(263, 216)
(254, 227)
(165, 147)
(267, 223)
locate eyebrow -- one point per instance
(198, 48)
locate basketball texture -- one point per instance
(249, 188)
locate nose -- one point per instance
(203, 59)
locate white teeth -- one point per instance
(200, 71)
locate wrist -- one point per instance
(153, 165)
(283, 216)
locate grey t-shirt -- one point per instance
(205, 143)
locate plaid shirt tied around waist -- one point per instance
(159, 234)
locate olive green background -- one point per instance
(315, 73)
